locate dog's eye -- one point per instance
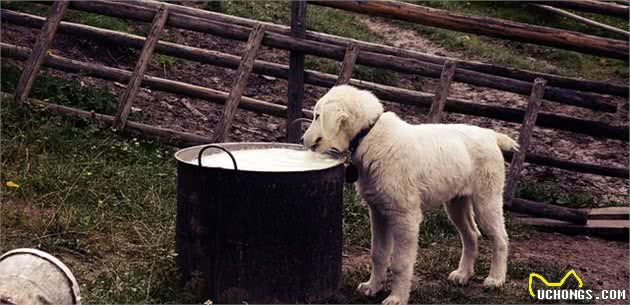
(315, 117)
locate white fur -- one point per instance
(404, 169)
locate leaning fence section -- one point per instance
(299, 42)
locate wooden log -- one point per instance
(42, 44)
(399, 64)
(117, 75)
(441, 93)
(524, 75)
(242, 74)
(538, 209)
(404, 96)
(607, 171)
(165, 135)
(590, 6)
(524, 137)
(492, 27)
(295, 88)
(126, 99)
(348, 64)
(384, 92)
(581, 19)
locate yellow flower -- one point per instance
(12, 184)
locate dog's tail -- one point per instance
(506, 143)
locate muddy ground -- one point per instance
(604, 263)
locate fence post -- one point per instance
(242, 74)
(348, 64)
(42, 44)
(126, 99)
(441, 93)
(296, 72)
(524, 137)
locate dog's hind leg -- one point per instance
(381, 252)
(405, 229)
(489, 214)
(460, 213)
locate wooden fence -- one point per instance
(299, 42)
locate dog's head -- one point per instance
(338, 116)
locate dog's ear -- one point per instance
(331, 117)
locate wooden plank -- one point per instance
(42, 44)
(126, 99)
(610, 213)
(242, 74)
(348, 64)
(405, 65)
(612, 229)
(295, 89)
(441, 93)
(514, 172)
(524, 75)
(486, 26)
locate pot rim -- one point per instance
(250, 145)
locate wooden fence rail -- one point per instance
(42, 43)
(405, 65)
(393, 94)
(124, 105)
(493, 27)
(246, 103)
(240, 82)
(520, 74)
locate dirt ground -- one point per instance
(604, 264)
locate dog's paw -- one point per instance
(369, 289)
(492, 282)
(460, 277)
(394, 300)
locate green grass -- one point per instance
(552, 193)
(522, 55)
(67, 93)
(321, 19)
(92, 19)
(103, 202)
(433, 266)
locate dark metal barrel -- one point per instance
(258, 237)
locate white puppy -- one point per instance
(404, 169)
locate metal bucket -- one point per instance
(258, 237)
(31, 276)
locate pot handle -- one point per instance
(218, 147)
(300, 120)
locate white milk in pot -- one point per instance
(268, 160)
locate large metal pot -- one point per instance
(258, 237)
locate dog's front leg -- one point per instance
(381, 251)
(405, 236)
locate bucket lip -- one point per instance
(55, 261)
(227, 145)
